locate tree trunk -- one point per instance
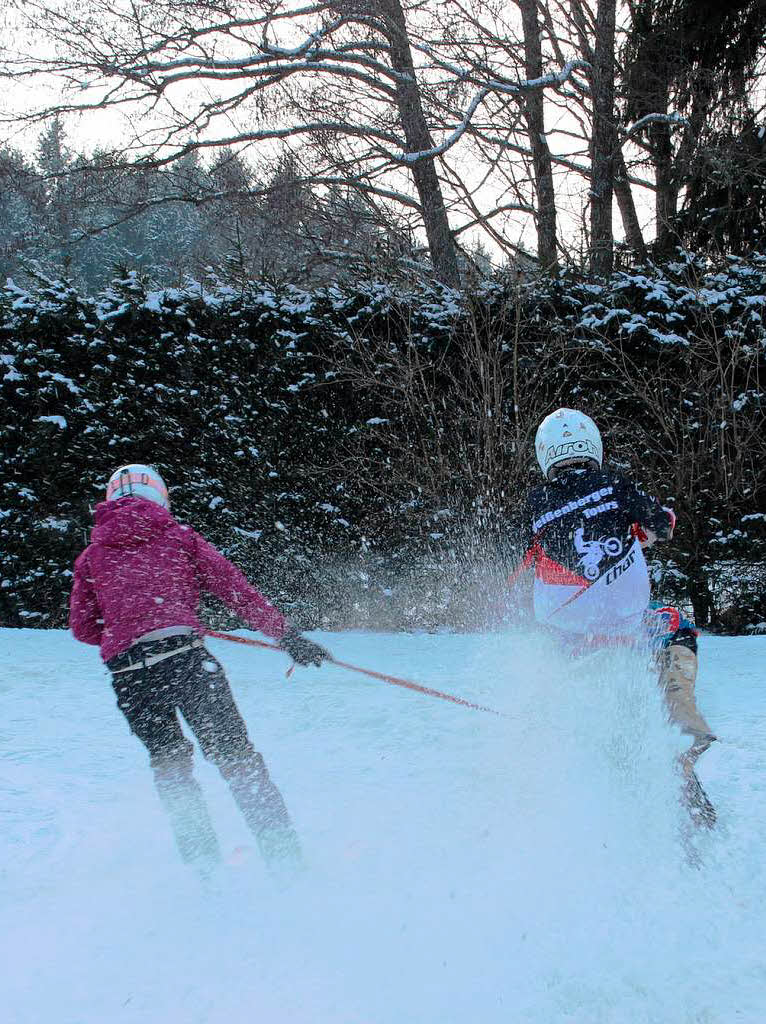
(535, 118)
(440, 240)
(622, 190)
(701, 598)
(603, 140)
(673, 170)
(659, 134)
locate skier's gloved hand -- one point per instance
(302, 650)
(643, 535)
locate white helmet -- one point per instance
(567, 435)
(137, 481)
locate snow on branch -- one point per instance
(551, 80)
(671, 119)
(310, 43)
(449, 142)
(265, 65)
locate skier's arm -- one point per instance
(652, 518)
(84, 613)
(224, 580)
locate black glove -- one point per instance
(302, 650)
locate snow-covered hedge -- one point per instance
(344, 444)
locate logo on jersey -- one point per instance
(571, 506)
(607, 506)
(618, 570)
(594, 551)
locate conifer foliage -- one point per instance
(369, 427)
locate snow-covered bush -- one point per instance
(361, 451)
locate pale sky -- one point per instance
(88, 131)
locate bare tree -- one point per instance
(536, 166)
(440, 241)
(535, 118)
(621, 178)
(349, 88)
(470, 117)
(603, 142)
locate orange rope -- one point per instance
(395, 680)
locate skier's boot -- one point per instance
(264, 811)
(696, 800)
(185, 806)
(693, 796)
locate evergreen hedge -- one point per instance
(361, 451)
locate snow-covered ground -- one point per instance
(464, 868)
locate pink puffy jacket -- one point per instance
(144, 571)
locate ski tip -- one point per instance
(700, 808)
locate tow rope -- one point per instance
(394, 680)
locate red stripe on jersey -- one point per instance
(549, 571)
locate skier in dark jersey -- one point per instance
(584, 530)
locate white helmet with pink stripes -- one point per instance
(137, 481)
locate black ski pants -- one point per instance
(193, 682)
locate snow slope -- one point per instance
(463, 868)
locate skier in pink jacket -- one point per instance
(136, 592)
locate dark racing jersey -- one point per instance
(580, 531)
